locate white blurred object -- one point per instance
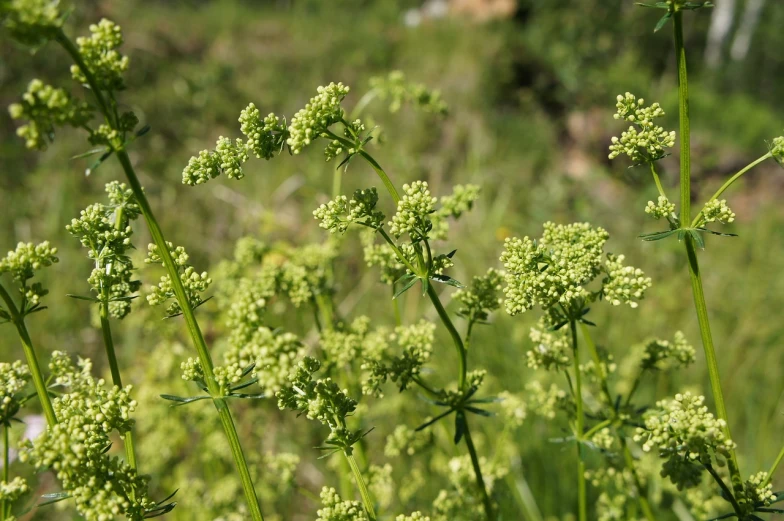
(721, 23)
(748, 24)
(477, 10)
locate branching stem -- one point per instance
(32, 359)
(179, 290)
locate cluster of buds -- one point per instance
(413, 210)
(45, 108)
(481, 297)
(105, 230)
(312, 121)
(717, 210)
(195, 283)
(645, 142)
(686, 435)
(396, 88)
(550, 348)
(337, 215)
(415, 345)
(662, 208)
(553, 269)
(75, 448)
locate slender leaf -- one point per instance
(662, 21)
(406, 287)
(460, 426)
(657, 236)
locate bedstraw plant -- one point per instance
(342, 371)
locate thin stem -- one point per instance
(382, 175)
(396, 307)
(694, 269)
(729, 183)
(363, 102)
(657, 181)
(32, 359)
(774, 467)
(458, 341)
(644, 505)
(582, 501)
(130, 453)
(5, 507)
(480, 481)
(397, 251)
(727, 492)
(367, 501)
(596, 428)
(683, 117)
(710, 354)
(179, 290)
(643, 500)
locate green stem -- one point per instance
(367, 501)
(657, 181)
(710, 355)
(643, 500)
(382, 175)
(32, 359)
(480, 481)
(130, 453)
(683, 117)
(774, 467)
(596, 428)
(582, 501)
(5, 507)
(196, 336)
(458, 341)
(694, 269)
(728, 495)
(179, 290)
(729, 183)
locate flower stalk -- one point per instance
(694, 268)
(193, 327)
(32, 359)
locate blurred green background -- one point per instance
(531, 87)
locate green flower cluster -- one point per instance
(320, 400)
(12, 490)
(414, 342)
(31, 22)
(777, 149)
(756, 493)
(550, 348)
(21, 264)
(195, 283)
(75, 448)
(100, 55)
(554, 269)
(481, 297)
(405, 440)
(353, 132)
(686, 435)
(662, 208)
(398, 90)
(44, 108)
(312, 121)
(228, 157)
(383, 256)
(460, 201)
(717, 210)
(623, 284)
(413, 211)
(463, 502)
(514, 409)
(335, 509)
(105, 231)
(273, 353)
(546, 402)
(265, 136)
(345, 344)
(415, 516)
(680, 351)
(646, 142)
(14, 378)
(337, 215)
